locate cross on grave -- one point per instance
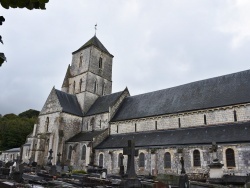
(50, 157)
(131, 152)
(130, 179)
(58, 158)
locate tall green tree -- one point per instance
(14, 129)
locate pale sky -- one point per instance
(156, 44)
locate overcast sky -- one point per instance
(156, 44)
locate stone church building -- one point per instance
(85, 120)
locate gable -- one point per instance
(59, 101)
(52, 104)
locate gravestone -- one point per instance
(17, 175)
(49, 163)
(38, 169)
(130, 179)
(58, 169)
(53, 171)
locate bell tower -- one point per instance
(90, 73)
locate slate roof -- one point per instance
(12, 150)
(227, 133)
(85, 136)
(69, 103)
(96, 42)
(103, 103)
(214, 92)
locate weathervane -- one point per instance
(95, 28)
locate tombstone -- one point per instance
(49, 163)
(38, 169)
(58, 169)
(215, 170)
(58, 162)
(121, 172)
(18, 162)
(53, 171)
(130, 179)
(183, 171)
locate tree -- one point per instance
(14, 129)
(29, 4)
(29, 114)
(2, 56)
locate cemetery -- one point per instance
(18, 174)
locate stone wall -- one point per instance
(96, 122)
(189, 119)
(154, 159)
(77, 160)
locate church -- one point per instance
(85, 122)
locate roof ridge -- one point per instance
(216, 77)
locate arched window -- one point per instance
(141, 160)
(101, 160)
(230, 158)
(92, 123)
(100, 63)
(74, 87)
(84, 152)
(120, 157)
(70, 152)
(197, 158)
(47, 124)
(95, 87)
(80, 63)
(167, 160)
(80, 85)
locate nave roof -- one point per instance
(221, 134)
(210, 93)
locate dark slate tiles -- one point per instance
(214, 92)
(69, 103)
(103, 103)
(226, 133)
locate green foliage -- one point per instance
(29, 114)
(29, 4)
(14, 129)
